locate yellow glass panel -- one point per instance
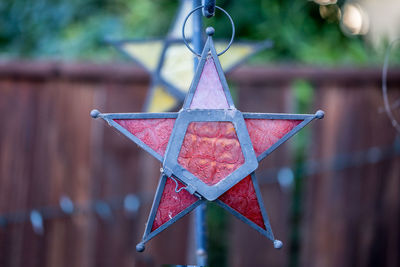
(161, 101)
(178, 62)
(148, 53)
(178, 67)
(235, 54)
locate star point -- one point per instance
(209, 150)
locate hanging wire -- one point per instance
(104, 208)
(388, 108)
(285, 175)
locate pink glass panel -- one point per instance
(242, 198)
(209, 93)
(265, 133)
(153, 132)
(211, 151)
(172, 203)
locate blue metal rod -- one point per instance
(197, 32)
(200, 212)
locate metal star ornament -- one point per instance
(209, 150)
(170, 64)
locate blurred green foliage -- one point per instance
(75, 29)
(217, 234)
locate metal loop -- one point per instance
(184, 24)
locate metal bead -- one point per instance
(320, 114)
(140, 247)
(278, 244)
(210, 31)
(94, 113)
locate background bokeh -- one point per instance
(332, 192)
(323, 32)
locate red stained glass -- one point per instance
(172, 203)
(211, 151)
(243, 199)
(264, 133)
(209, 93)
(153, 132)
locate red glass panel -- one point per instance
(172, 203)
(265, 133)
(153, 132)
(242, 198)
(209, 93)
(211, 151)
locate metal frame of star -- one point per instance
(191, 183)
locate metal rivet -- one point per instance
(140, 247)
(94, 113)
(319, 114)
(278, 244)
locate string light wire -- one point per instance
(131, 203)
(388, 108)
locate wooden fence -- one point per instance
(50, 147)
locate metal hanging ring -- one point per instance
(184, 24)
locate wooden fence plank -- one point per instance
(49, 146)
